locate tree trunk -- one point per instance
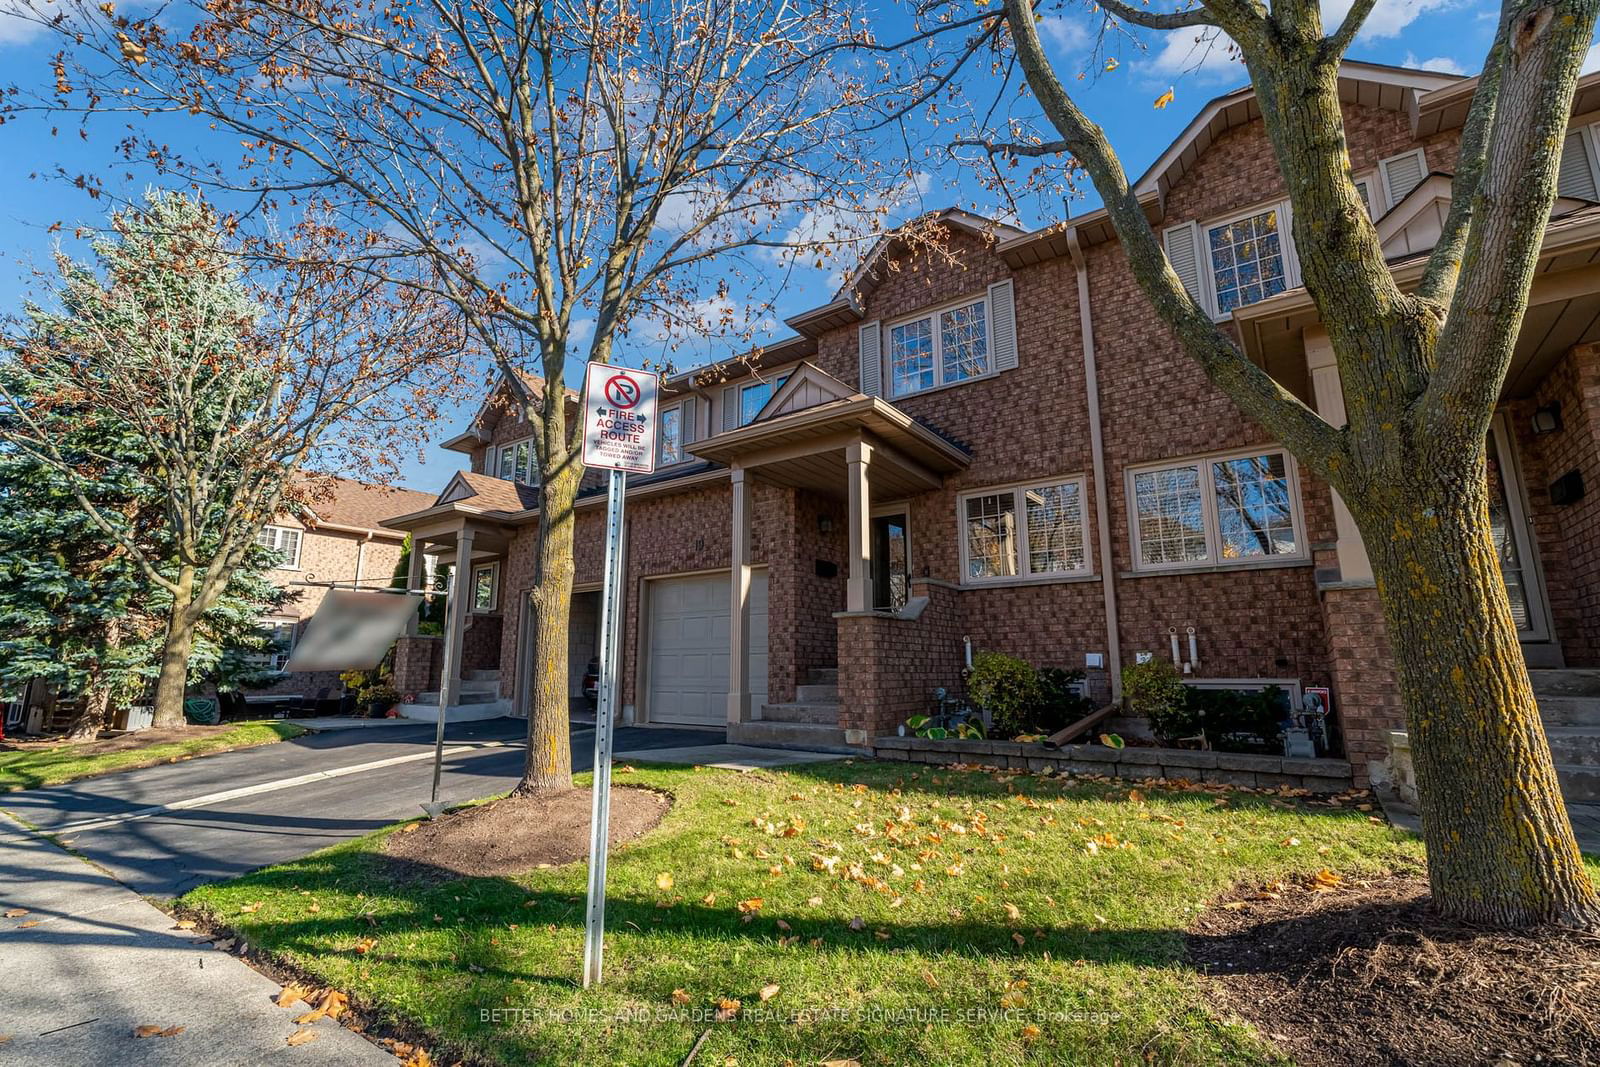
(174, 676)
(549, 761)
(93, 713)
(1500, 847)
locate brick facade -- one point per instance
(1270, 619)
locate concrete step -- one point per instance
(817, 693)
(1574, 683)
(468, 696)
(1579, 785)
(822, 714)
(813, 736)
(1570, 711)
(1574, 746)
(823, 676)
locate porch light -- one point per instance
(825, 524)
(1547, 419)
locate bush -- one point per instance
(1008, 689)
(1059, 700)
(1154, 690)
(1236, 721)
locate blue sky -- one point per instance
(1449, 35)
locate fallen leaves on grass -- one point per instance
(664, 881)
(1013, 912)
(751, 906)
(247, 909)
(680, 997)
(364, 946)
(150, 1030)
(727, 1008)
(768, 991)
(301, 1036)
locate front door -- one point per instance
(1508, 526)
(891, 561)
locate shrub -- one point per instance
(1008, 688)
(1236, 721)
(1059, 700)
(1154, 690)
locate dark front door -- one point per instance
(891, 562)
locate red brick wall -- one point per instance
(888, 667)
(1366, 696)
(417, 663)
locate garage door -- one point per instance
(688, 635)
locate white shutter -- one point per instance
(1183, 252)
(1577, 176)
(1002, 326)
(730, 408)
(1401, 174)
(688, 421)
(870, 357)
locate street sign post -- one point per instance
(619, 434)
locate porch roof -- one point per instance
(805, 448)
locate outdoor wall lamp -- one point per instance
(1547, 419)
(825, 524)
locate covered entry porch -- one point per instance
(825, 443)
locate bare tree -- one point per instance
(1422, 372)
(570, 170)
(226, 376)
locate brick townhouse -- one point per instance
(1002, 445)
(339, 540)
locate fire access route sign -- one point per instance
(619, 418)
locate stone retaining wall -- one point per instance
(1226, 768)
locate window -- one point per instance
(1364, 190)
(671, 447)
(754, 397)
(1577, 175)
(1224, 509)
(285, 541)
(1247, 260)
(1049, 541)
(483, 586)
(515, 462)
(941, 348)
(1401, 174)
(279, 634)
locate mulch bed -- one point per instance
(1366, 973)
(517, 834)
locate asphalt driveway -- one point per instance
(242, 810)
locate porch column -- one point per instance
(456, 625)
(858, 587)
(414, 581)
(1328, 392)
(739, 608)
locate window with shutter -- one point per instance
(730, 408)
(691, 419)
(1183, 253)
(1401, 174)
(1576, 178)
(1003, 325)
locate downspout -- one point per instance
(1097, 455)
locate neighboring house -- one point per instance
(339, 540)
(1005, 445)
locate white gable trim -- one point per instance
(458, 488)
(808, 386)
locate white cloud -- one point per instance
(1387, 19)
(1442, 64)
(1067, 34)
(1203, 54)
(16, 28)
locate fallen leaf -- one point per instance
(768, 991)
(1013, 912)
(364, 946)
(1325, 879)
(409, 827)
(16, 913)
(727, 1008)
(330, 1005)
(292, 994)
(664, 881)
(929, 980)
(751, 906)
(183, 924)
(301, 1036)
(313, 907)
(785, 927)
(680, 997)
(858, 923)
(247, 909)
(418, 1058)
(1235, 905)
(30, 922)
(157, 1031)
(839, 1063)
(709, 899)
(1135, 796)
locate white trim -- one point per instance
(1210, 524)
(1540, 621)
(936, 335)
(1291, 686)
(1018, 490)
(290, 562)
(661, 420)
(1389, 197)
(493, 567)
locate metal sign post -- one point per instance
(619, 434)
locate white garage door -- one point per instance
(688, 635)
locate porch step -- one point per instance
(1570, 711)
(468, 696)
(770, 734)
(823, 676)
(802, 711)
(817, 693)
(1574, 683)
(1574, 746)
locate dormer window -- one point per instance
(941, 348)
(1234, 262)
(515, 461)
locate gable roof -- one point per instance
(806, 387)
(487, 493)
(353, 505)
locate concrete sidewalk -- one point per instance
(91, 961)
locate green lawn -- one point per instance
(1002, 920)
(30, 768)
